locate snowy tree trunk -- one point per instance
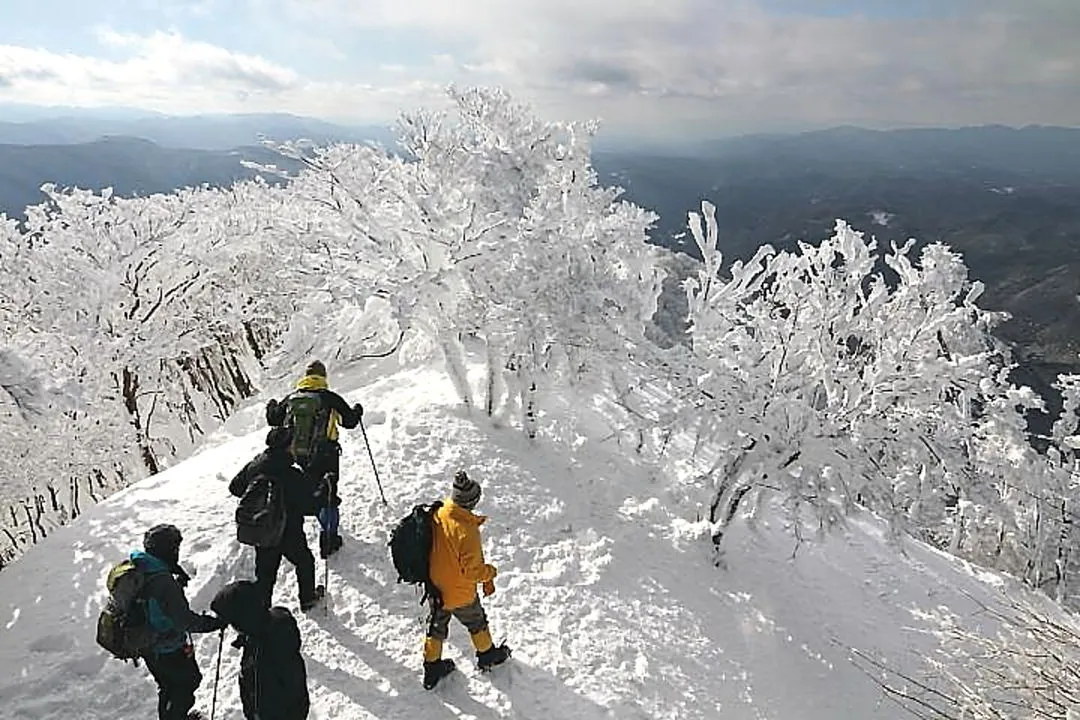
(75, 509)
(528, 409)
(90, 487)
(494, 367)
(455, 367)
(728, 493)
(30, 522)
(1061, 562)
(957, 539)
(129, 389)
(1032, 574)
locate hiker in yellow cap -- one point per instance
(314, 412)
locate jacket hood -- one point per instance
(278, 438)
(148, 563)
(282, 632)
(312, 382)
(463, 514)
(241, 604)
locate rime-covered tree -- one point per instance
(491, 225)
(833, 385)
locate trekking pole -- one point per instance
(217, 673)
(372, 458)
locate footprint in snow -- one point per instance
(52, 644)
(374, 417)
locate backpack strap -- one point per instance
(431, 592)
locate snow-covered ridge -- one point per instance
(606, 590)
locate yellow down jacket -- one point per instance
(457, 560)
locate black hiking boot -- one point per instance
(436, 671)
(307, 604)
(494, 655)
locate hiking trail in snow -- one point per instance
(606, 591)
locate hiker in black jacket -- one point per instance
(273, 677)
(320, 456)
(172, 659)
(276, 463)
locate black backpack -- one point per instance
(410, 548)
(308, 417)
(123, 627)
(260, 515)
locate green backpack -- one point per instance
(308, 420)
(123, 626)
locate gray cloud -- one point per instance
(13, 74)
(609, 73)
(232, 71)
(736, 67)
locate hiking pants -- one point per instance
(177, 676)
(328, 460)
(472, 616)
(295, 549)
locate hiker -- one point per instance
(171, 661)
(273, 677)
(314, 411)
(297, 496)
(457, 566)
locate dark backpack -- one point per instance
(308, 418)
(123, 626)
(410, 548)
(260, 515)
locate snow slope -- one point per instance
(606, 591)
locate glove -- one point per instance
(358, 409)
(489, 588)
(182, 578)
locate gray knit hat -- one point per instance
(466, 491)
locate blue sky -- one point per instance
(645, 67)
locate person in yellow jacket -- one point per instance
(457, 566)
(314, 413)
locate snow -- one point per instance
(606, 588)
(881, 217)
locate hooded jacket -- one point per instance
(457, 559)
(299, 492)
(340, 412)
(273, 676)
(167, 608)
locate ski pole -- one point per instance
(217, 673)
(371, 457)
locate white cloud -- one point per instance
(171, 58)
(170, 73)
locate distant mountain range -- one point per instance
(139, 152)
(24, 125)
(1008, 199)
(130, 166)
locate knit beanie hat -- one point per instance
(316, 368)
(466, 491)
(163, 542)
